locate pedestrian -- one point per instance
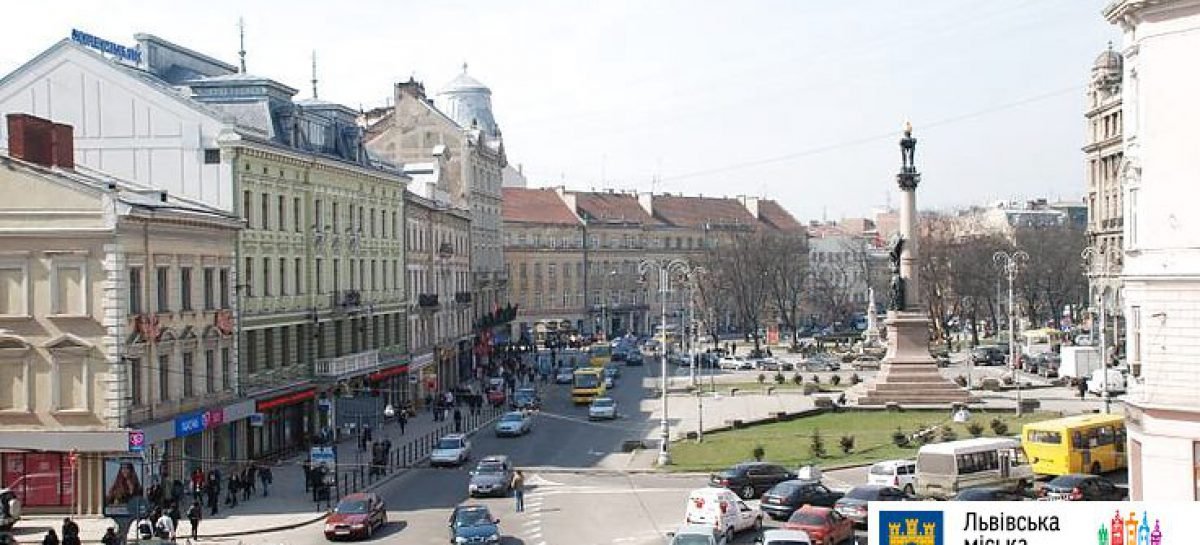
(164, 528)
(213, 491)
(248, 478)
(231, 495)
(110, 537)
(402, 420)
(175, 515)
(1082, 388)
(518, 488)
(265, 476)
(70, 532)
(457, 420)
(194, 514)
(51, 538)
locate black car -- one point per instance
(634, 358)
(786, 497)
(525, 399)
(750, 479)
(473, 524)
(988, 494)
(988, 355)
(854, 504)
(1081, 487)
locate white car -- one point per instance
(609, 383)
(565, 376)
(451, 450)
(733, 362)
(723, 510)
(784, 537)
(514, 424)
(603, 408)
(900, 474)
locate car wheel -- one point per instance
(1096, 468)
(747, 492)
(908, 489)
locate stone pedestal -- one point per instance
(908, 374)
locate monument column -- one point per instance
(908, 373)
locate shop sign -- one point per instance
(190, 424)
(256, 420)
(323, 456)
(131, 54)
(137, 441)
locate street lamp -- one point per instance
(1090, 254)
(1011, 261)
(664, 268)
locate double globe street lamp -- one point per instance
(665, 268)
(1010, 262)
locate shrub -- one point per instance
(779, 378)
(975, 428)
(961, 381)
(899, 438)
(762, 379)
(947, 434)
(855, 379)
(816, 379)
(923, 435)
(797, 379)
(999, 427)
(835, 380)
(810, 388)
(846, 443)
(1008, 380)
(758, 453)
(816, 445)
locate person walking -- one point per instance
(110, 537)
(164, 528)
(51, 538)
(231, 495)
(194, 514)
(70, 532)
(175, 515)
(402, 420)
(267, 478)
(518, 488)
(457, 420)
(213, 493)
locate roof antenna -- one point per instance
(242, 42)
(314, 73)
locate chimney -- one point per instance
(40, 141)
(751, 204)
(647, 202)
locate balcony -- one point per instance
(427, 300)
(349, 365)
(346, 301)
(462, 297)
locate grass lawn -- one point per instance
(789, 442)
(723, 387)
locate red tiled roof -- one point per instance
(773, 214)
(524, 205)
(696, 212)
(612, 207)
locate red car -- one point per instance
(496, 397)
(823, 525)
(357, 515)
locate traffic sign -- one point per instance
(137, 440)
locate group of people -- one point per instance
(208, 486)
(70, 534)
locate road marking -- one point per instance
(542, 481)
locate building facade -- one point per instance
(1161, 266)
(118, 310)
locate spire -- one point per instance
(314, 73)
(465, 63)
(242, 43)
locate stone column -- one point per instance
(909, 266)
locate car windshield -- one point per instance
(586, 380)
(449, 444)
(807, 518)
(351, 507)
(691, 539)
(490, 468)
(863, 494)
(512, 417)
(878, 469)
(602, 403)
(472, 517)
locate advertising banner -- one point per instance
(123, 488)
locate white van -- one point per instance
(721, 508)
(1115, 382)
(900, 474)
(945, 468)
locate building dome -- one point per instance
(1109, 60)
(469, 103)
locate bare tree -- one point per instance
(1050, 279)
(741, 264)
(786, 257)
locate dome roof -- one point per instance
(465, 84)
(1108, 60)
(469, 103)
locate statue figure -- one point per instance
(897, 287)
(908, 148)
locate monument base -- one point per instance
(908, 374)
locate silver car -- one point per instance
(451, 450)
(603, 408)
(513, 424)
(492, 477)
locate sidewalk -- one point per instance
(289, 505)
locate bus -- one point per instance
(943, 469)
(1086, 443)
(599, 354)
(587, 384)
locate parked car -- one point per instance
(514, 424)
(634, 359)
(451, 450)
(1081, 487)
(721, 509)
(989, 355)
(473, 524)
(766, 364)
(901, 474)
(491, 477)
(526, 399)
(854, 504)
(1045, 364)
(733, 362)
(864, 362)
(496, 396)
(751, 478)
(988, 493)
(786, 497)
(821, 362)
(357, 515)
(696, 534)
(1115, 384)
(783, 537)
(603, 408)
(823, 525)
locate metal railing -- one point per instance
(343, 365)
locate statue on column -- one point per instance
(897, 288)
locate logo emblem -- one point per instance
(910, 528)
(1130, 530)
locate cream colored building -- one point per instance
(115, 307)
(1104, 154)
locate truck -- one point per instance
(1078, 362)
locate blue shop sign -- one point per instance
(131, 54)
(191, 424)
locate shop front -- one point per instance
(283, 423)
(48, 479)
(201, 439)
(391, 382)
(420, 373)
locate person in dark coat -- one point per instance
(110, 537)
(231, 496)
(213, 492)
(194, 514)
(51, 538)
(457, 420)
(174, 514)
(402, 419)
(70, 532)
(265, 476)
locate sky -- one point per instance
(800, 101)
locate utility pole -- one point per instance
(1011, 262)
(1089, 254)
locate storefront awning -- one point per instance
(388, 373)
(64, 441)
(286, 399)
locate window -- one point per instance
(268, 348)
(250, 358)
(135, 382)
(1135, 341)
(69, 286)
(226, 375)
(372, 229)
(335, 217)
(248, 277)
(164, 377)
(317, 268)
(223, 285)
(264, 206)
(337, 274)
(351, 274)
(296, 214)
(266, 291)
(298, 281)
(188, 374)
(1133, 219)
(280, 221)
(135, 289)
(163, 289)
(247, 206)
(185, 288)
(283, 289)
(210, 371)
(285, 346)
(212, 156)
(319, 218)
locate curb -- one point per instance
(280, 528)
(389, 478)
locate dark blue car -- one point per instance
(473, 524)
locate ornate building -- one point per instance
(1104, 153)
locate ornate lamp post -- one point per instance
(665, 268)
(1091, 254)
(1011, 262)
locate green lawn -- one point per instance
(723, 387)
(789, 442)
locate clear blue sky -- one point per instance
(800, 101)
